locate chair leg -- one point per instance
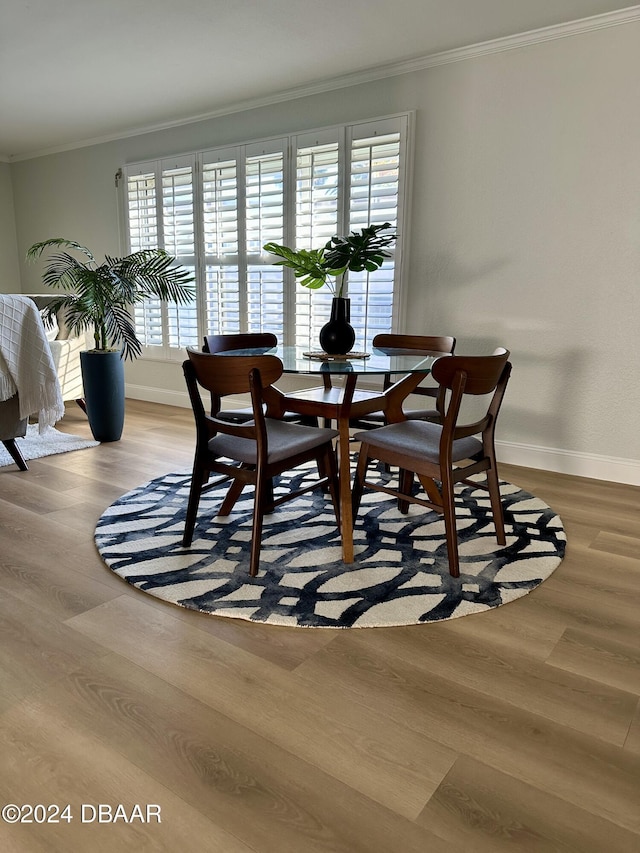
(358, 482)
(235, 490)
(197, 479)
(268, 497)
(309, 420)
(496, 503)
(432, 490)
(449, 510)
(405, 485)
(259, 501)
(327, 468)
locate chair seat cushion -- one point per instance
(284, 440)
(418, 438)
(411, 414)
(241, 416)
(421, 414)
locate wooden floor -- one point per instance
(516, 729)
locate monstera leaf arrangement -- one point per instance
(359, 251)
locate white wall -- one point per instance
(9, 267)
(532, 232)
(525, 227)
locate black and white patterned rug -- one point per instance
(400, 577)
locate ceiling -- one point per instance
(72, 71)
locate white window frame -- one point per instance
(288, 144)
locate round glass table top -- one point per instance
(376, 362)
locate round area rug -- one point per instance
(400, 576)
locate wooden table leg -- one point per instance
(346, 510)
(344, 461)
(340, 410)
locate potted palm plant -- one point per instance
(313, 268)
(98, 298)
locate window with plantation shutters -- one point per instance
(178, 221)
(221, 248)
(264, 222)
(215, 210)
(374, 177)
(162, 214)
(143, 234)
(318, 218)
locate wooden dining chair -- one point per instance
(229, 343)
(442, 454)
(404, 344)
(241, 341)
(253, 452)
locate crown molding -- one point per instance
(539, 36)
(393, 69)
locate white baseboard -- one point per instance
(591, 465)
(611, 468)
(157, 395)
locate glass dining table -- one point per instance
(344, 402)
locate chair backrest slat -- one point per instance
(471, 375)
(482, 372)
(410, 344)
(247, 340)
(415, 343)
(229, 374)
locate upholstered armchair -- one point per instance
(65, 350)
(12, 426)
(28, 372)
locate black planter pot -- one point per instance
(103, 380)
(337, 336)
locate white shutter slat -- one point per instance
(178, 215)
(220, 209)
(222, 302)
(374, 199)
(141, 202)
(143, 234)
(265, 222)
(317, 217)
(221, 242)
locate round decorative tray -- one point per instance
(325, 356)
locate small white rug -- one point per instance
(51, 441)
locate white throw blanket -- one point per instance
(26, 365)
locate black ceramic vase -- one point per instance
(103, 380)
(337, 336)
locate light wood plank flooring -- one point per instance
(512, 730)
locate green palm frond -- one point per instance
(99, 297)
(121, 331)
(38, 248)
(152, 273)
